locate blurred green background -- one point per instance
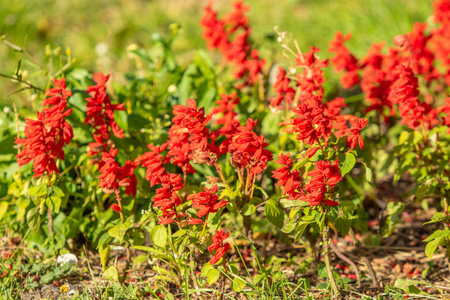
(99, 31)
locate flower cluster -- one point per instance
(206, 202)
(282, 87)
(344, 60)
(289, 180)
(100, 115)
(325, 176)
(248, 149)
(46, 136)
(226, 106)
(166, 198)
(230, 35)
(218, 245)
(112, 176)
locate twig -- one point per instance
(346, 259)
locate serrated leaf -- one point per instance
(212, 276)
(299, 230)
(3, 208)
(179, 233)
(432, 246)
(274, 213)
(286, 203)
(38, 190)
(118, 231)
(348, 164)
(104, 251)
(112, 274)
(437, 218)
(205, 269)
(238, 284)
(395, 210)
(159, 236)
(136, 236)
(343, 225)
(248, 209)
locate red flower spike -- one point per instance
(206, 202)
(324, 178)
(344, 60)
(283, 89)
(218, 244)
(45, 137)
(100, 115)
(230, 35)
(355, 133)
(289, 180)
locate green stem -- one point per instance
(221, 175)
(50, 212)
(326, 248)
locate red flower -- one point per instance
(113, 176)
(167, 199)
(154, 163)
(226, 106)
(324, 178)
(217, 244)
(355, 133)
(284, 90)
(248, 149)
(100, 115)
(289, 180)
(312, 78)
(46, 136)
(344, 60)
(116, 208)
(206, 202)
(311, 123)
(230, 36)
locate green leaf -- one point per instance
(343, 225)
(369, 175)
(179, 233)
(421, 191)
(54, 203)
(238, 284)
(395, 210)
(248, 209)
(118, 231)
(159, 236)
(205, 269)
(437, 218)
(212, 276)
(58, 191)
(286, 203)
(112, 274)
(3, 208)
(348, 164)
(38, 190)
(301, 227)
(347, 207)
(274, 213)
(104, 251)
(136, 236)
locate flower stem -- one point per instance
(204, 227)
(221, 175)
(50, 212)
(326, 248)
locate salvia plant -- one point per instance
(190, 163)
